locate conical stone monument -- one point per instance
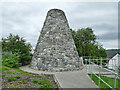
(55, 49)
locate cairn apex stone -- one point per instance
(55, 49)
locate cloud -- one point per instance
(109, 45)
(26, 19)
(109, 36)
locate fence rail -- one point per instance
(101, 64)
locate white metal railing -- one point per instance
(101, 64)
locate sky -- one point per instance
(26, 19)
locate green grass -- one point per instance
(8, 70)
(108, 80)
(43, 82)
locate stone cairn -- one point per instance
(55, 49)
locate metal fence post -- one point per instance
(89, 65)
(101, 62)
(115, 65)
(112, 64)
(107, 62)
(100, 70)
(115, 82)
(99, 76)
(86, 64)
(91, 70)
(97, 60)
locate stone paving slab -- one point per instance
(69, 79)
(77, 79)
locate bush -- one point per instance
(24, 82)
(18, 77)
(25, 59)
(11, 79)
(3, 76)
(10, 60)
(35, 81)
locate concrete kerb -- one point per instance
(56, 81)
(92, 81)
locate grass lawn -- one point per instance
(16, 78)
(7, 70)
(108, 80)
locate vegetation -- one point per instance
(19, 47)
(7, 70)
(3, 76)
(86, 44)
(35, 81)
(108, 80)
(16, 52)
(11, 79)
(10, 60)
(24, 82)
(16, 78)
(45, 83)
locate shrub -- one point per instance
(11, 79)
(25, 59)
(3, 76)
(18, 77)
(35, 81)
(10, 60)
(24, 82)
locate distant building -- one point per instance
(32, 51)
(114, 61)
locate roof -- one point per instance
(111, 54)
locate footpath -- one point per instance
(69, 79)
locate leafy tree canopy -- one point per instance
(86, 44)
(17, 45)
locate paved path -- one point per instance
(75, 79)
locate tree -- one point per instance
(18, 46)
(86, 44)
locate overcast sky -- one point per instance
(26, 19)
